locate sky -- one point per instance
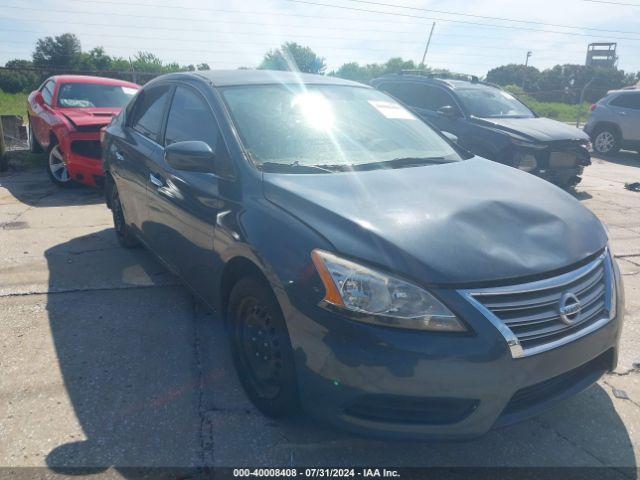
(234, 33)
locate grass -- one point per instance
(562, 112)
(13, 104)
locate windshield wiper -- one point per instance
(277, 167)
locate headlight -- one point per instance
(525, 161)
(379, 298)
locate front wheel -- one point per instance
(57, 168)
(261, 348)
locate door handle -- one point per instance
(119, 156)
(156, 181)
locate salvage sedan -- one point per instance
(65, 117)
(368, 270)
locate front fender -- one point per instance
(276, 242)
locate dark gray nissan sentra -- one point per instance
(369, 270)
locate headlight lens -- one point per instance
(526, 162)
(379, 298)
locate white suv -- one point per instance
(614, 122)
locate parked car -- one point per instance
(368, 269)
(65, 117)
(493, 124)
(614, 122)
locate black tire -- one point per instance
(125, 236)
(34, 146)
(261, 348)
(606, 140)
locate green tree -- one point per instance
(295, 57)
(20, 77)
(515, 74)
(61, 52)
(366, 73)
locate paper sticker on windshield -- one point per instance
(129, 90)
(392, 110)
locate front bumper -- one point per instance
(83, 156)
(351, 373)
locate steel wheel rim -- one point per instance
(259, 347)
(57, 165)
(605, 141)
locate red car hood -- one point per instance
(89, 117)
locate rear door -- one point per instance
(183, 206)
(626, 107)
(139, 145)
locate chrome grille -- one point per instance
(535, 317)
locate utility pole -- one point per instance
(426, 49)
(526, 64)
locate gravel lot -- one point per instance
(106, 361)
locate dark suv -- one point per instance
(493, 124)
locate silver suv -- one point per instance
(614, 122)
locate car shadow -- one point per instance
(149, 376)
(27, 181)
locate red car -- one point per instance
(65, 117)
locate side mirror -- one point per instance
(38, 99)
(452, 138)
(190, 156)
(449, 111)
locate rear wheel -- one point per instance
(261, 348)
(125, 236)
(34, 146)
(606, 140)
(57, 168)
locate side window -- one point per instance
(434, 98)
(148, 112)
(420, 96)
(191, 118)
(47, 92)
(627, 100)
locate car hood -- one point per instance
(89, 117)
(538, 129)
(459, 224)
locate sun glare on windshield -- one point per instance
(315, 109)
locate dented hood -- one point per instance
(535, 129)
(89, 117)
(460, 223)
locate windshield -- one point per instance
(492, 103)
(89, 95)
(330, 125)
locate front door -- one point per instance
(183, 206)
(137, 147)
(627, 109)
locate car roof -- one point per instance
(224, 78)
(92, 80)
(453, 83)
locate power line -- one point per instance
(156, 17)
(226, 22)
(613, 3)
(504, 19)
(180, 7)
(511, 27)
